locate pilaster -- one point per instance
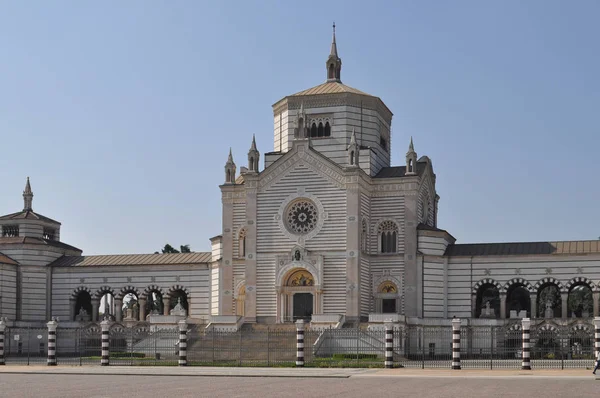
(250, 261)
(226, 269)
(353, 250)
(412, 299)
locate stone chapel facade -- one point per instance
(328, 231)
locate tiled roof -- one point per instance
(399, 171)
(133, 259)
(524, 248)
(28, 215)
(4, 259)
(330, 88)
(37, 241)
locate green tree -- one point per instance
(182, 249)
(169, 249)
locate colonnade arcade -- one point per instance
(548, 298)
(127, 303)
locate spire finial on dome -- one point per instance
(27, 196)
(334, 63)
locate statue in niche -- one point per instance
(297, 255)
(549, 310)
(136, 310)
(487, 311)
(178, 309)
(82, 315)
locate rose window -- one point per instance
(301, 217)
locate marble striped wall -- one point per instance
(8, 291)
(330, 242)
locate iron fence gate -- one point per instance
(26, 345)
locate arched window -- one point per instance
(352, 157)
(320, 130)
(327, 129)
(313, 130)
(549, 302)
(517, 300)
(580, 303)
(242, 244)
(388, 237)
(410, 166)
(487, 302)
(331, 73)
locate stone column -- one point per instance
(2, 329)
(72, 303)
(182, 343)
(526, 325)
(105, 343)
(52, 326)
(503, 305)
(166, 305)
(142, 303)
(565, 300)
(597, 335)
(389, 345)
(533, 298)
(300, 343)
(95, 309)
(118, 309)
(456, 344)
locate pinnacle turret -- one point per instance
(334, 63)
(253, 157)
(27, 196)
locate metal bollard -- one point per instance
(389, 346)
(105, 343)
(300, 343)
(2, 329)
(52, 326)
(182, 343)
(526, 324)
(456, 344)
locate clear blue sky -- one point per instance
(122, 113)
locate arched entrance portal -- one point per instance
(298, 296)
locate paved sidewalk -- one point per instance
(299, 372)
(182, 371)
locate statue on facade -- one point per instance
(178, 309)
(549, 310)
(297, 255)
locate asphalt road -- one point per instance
(92, 386)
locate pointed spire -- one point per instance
(411, 159)
(411, 147)
(27, 197)
(230, 157)
(334, 63)
(333, 52)
(353, 137)
(253, 147)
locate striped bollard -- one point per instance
(389, 345)
(182, 343)
(456, 344)
(105, 343)
(596, 336)
(526, 325)
(52, 326)
(300, 343)
(2, 329)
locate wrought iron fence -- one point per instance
(491, 347)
